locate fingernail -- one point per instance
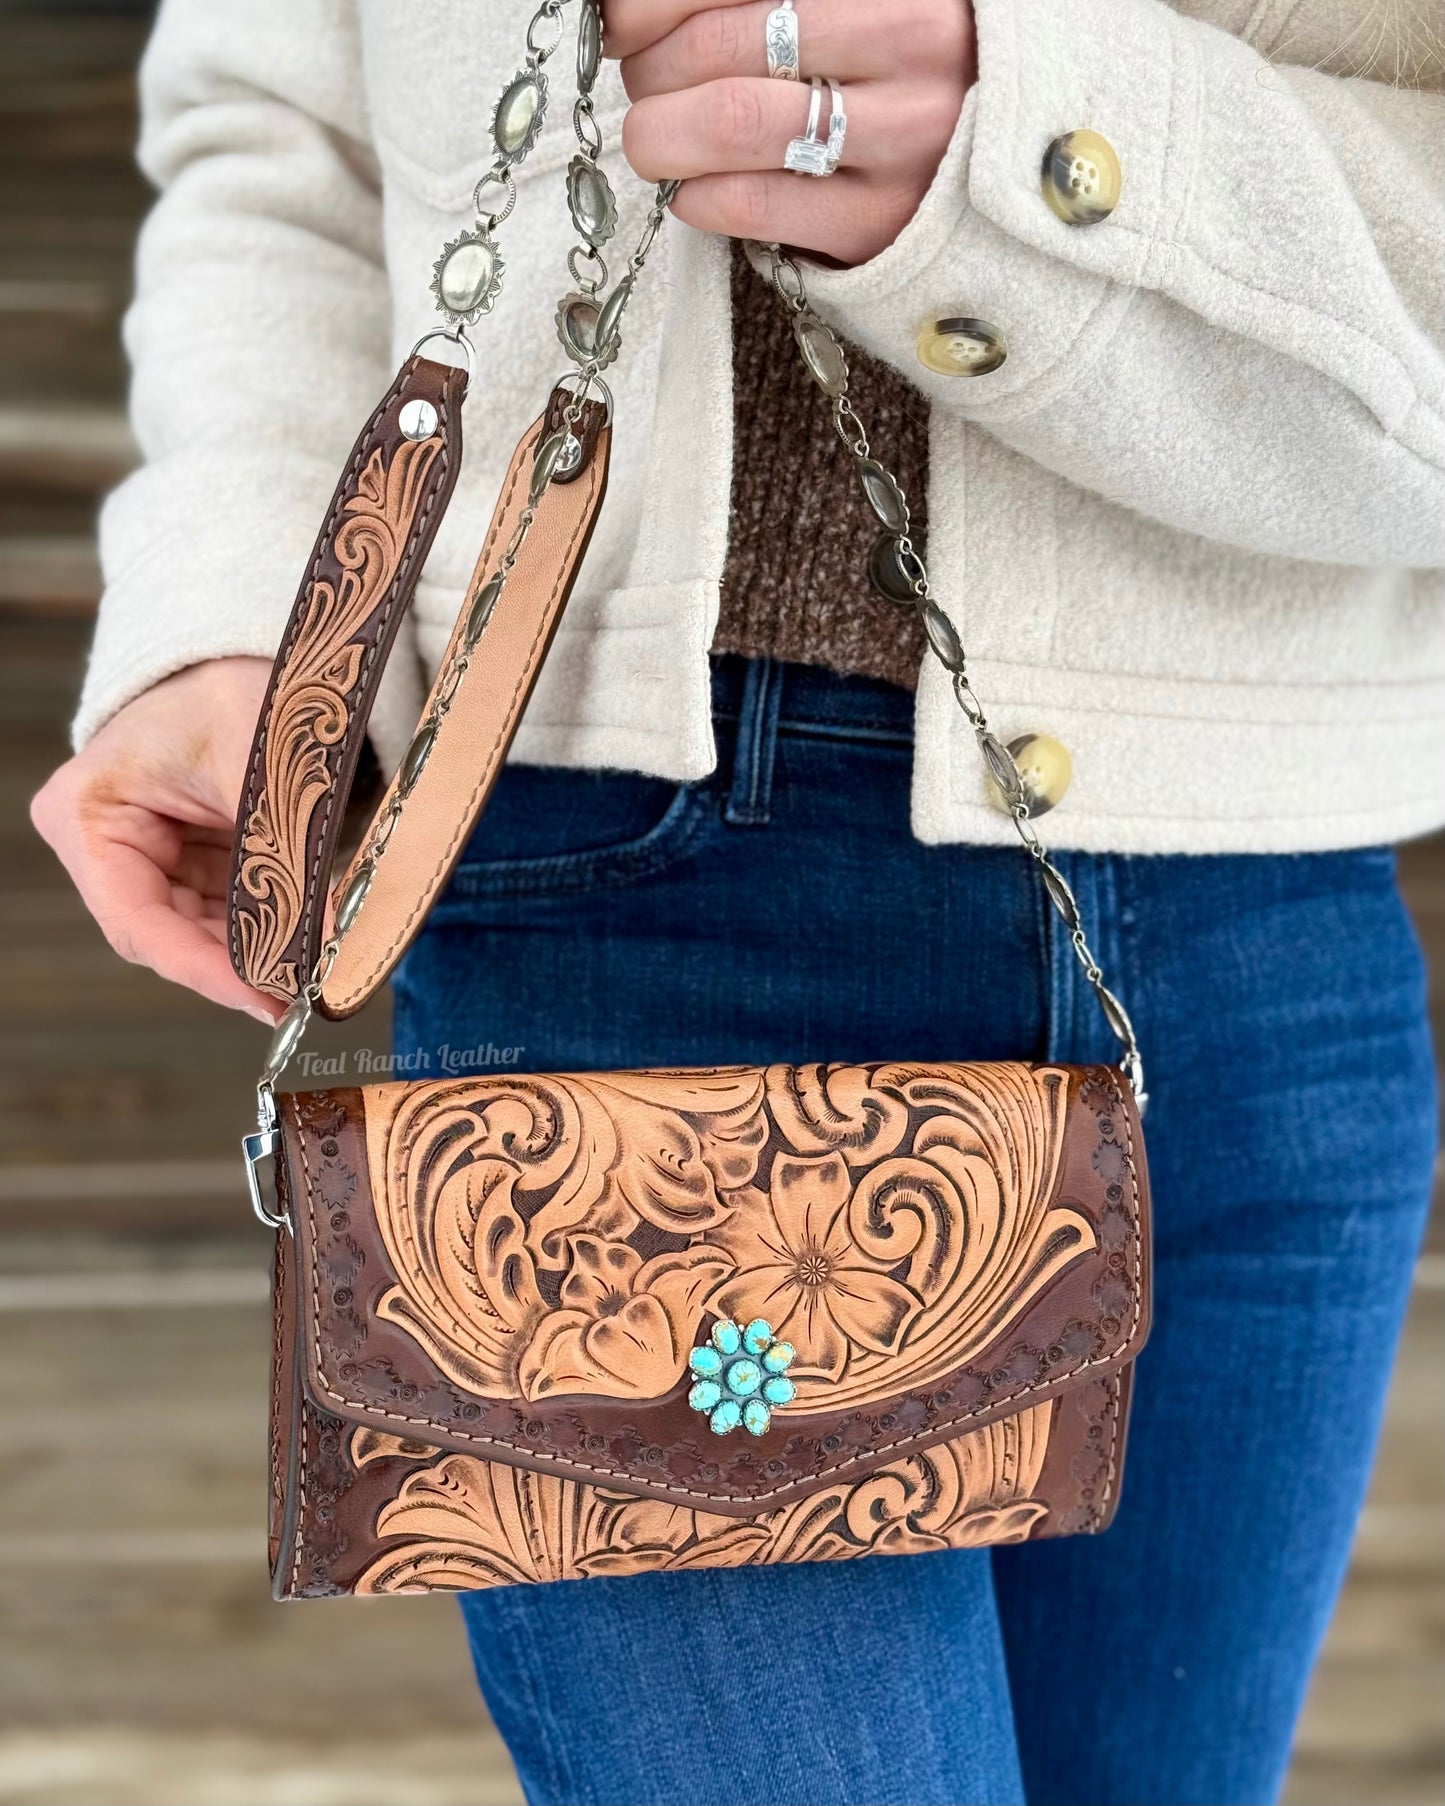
(261, 1013)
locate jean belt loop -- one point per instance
(749, 801)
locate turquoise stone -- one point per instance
(756, 1416)
(758, 1336)
(727, 1416)
(739, 1376)
(727, 1338)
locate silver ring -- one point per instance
(837, 126)
(811, 155)
(457, 337)
(781, 29)
(585, 387)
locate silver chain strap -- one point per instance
(827, 363)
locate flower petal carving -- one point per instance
(798, 1266)
(630, 1343)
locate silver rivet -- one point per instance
(417, 419)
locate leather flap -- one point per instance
(520, 1266)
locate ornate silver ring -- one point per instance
(782, 42)
(812, 155)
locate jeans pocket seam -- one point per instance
(591, 868)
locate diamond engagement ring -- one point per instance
(811, 155)
(782, 39)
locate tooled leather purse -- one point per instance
(562, 1325)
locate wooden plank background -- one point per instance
(141, 1661)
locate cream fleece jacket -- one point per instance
(1193, 526)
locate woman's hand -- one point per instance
(705, 109)
(142, 820)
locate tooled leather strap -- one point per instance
(410, 849)
(363, 570)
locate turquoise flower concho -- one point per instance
(740, 1376)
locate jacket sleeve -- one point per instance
(1250, 346)
(258, 335)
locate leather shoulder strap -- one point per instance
(314, 717)
(433, 802)
(363, 570)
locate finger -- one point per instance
(743, 123)
(189, 952)
(848, 217)
(118, 857)
(204, 869)
(133, 903)
(631, 25)
(929, 37)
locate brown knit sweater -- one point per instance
(795, 585)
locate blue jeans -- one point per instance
(782, 910)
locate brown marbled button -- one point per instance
(957, 344)
(1081, 178)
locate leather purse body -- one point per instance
(485, 1318)
(557, 1326)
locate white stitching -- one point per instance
(692, 1492)
(305, 1419)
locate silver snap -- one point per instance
(417, 419)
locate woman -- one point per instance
(1178, 410)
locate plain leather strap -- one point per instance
(364, 567)
(466, 756)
